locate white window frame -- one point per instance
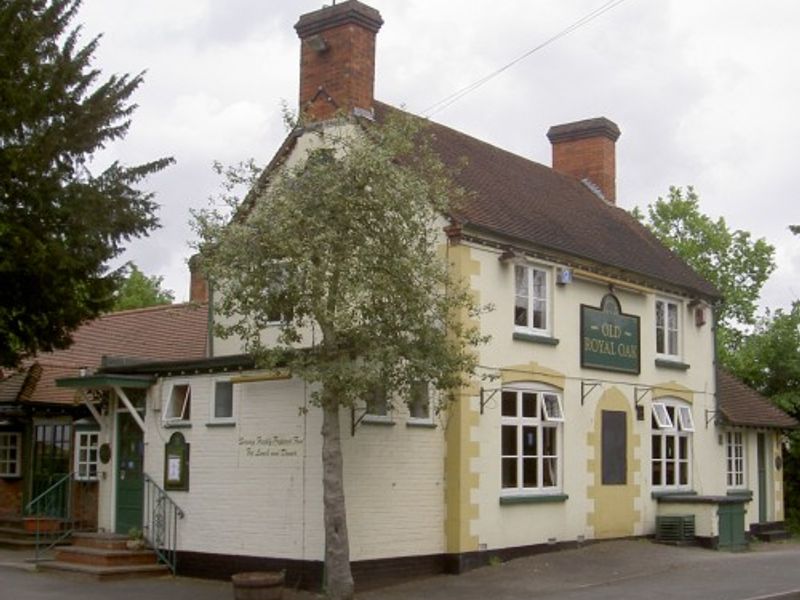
(10, 467)
(83, 444)
(685, 419)
(212, 405)
(182, 417)
(426, 401)
(735, 459)
(547, 409)
(661, 416)
(530, 300)
(667, 352)
(667, 433)
(540, 422)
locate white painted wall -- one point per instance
(514, 525)
(253, 503)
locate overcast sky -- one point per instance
(703, 92)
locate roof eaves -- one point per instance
(487, 235)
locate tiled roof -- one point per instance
(742, 405)
(519, 199)
(168, 332)
(19, 386)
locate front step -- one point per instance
(105, 556)
(15, 536)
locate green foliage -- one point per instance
(737, 265)
(348, 243)
(769, 361)
(795, 229)
(60, 223)
(137, 290)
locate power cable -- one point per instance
(455, 96)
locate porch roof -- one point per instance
(106, 380)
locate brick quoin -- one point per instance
(337, 59)
(587, 150)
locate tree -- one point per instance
(732, 261)
(137, 290)
(345, 242)
(60, 223)
(769, 361)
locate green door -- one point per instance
(130, 480)
(762, 478)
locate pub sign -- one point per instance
(609, 338)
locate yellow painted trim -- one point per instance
(532, 371)
(674, 390)
(614, 513)
(275, 375)
(461, 448)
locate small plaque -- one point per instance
(104, 452)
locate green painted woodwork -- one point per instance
(762, 477)
(731, 526)
(129, 474)
(609, 338)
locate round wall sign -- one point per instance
(105, 453)
(778, 463)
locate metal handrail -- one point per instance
(160, 528)
(47, 494)
(56, 502)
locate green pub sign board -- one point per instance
(609, 338)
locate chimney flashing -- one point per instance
(580, 130)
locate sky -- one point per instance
(703, 92)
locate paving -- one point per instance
(606, 570)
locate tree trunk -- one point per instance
(338, 578)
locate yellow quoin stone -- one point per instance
(461, 448)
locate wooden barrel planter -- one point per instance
(258, 585)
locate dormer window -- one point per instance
(531, 303)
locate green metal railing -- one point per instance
(59, 511)
(160, 528)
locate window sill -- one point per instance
(177, 425)
(421, 423)
(12, 477)
(668, 493)
(742, 493)
(538, 499)
(675, 365)
(377, 420)
(221, 424)
(535, 339)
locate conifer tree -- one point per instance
(60, 222)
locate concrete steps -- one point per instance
(105, 556)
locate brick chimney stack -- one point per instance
(198, 283)
(337, 60)
(586, 150)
